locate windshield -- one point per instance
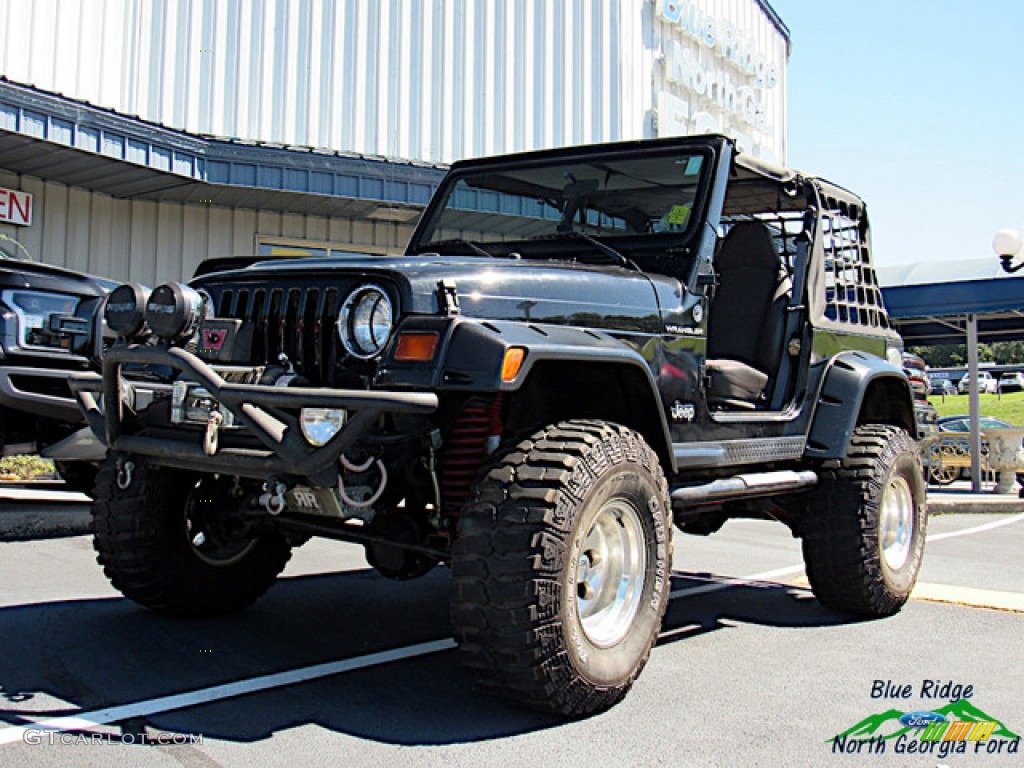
(616, 199)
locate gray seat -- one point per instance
(747, 318)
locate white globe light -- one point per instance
(1006, 242)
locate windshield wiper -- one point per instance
(479, 251)
(604, 248)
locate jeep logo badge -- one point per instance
(682, 412)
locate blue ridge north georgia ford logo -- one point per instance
(954, 728)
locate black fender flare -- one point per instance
(856, 388)
(475, 354)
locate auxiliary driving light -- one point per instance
(174, 311)
(125, 310)
(319, 425)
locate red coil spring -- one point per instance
(465, 452)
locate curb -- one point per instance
(973, 503)
(42, 510)
(57, 517)
(22, 522)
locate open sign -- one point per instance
(15, 207)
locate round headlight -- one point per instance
(174, 311)
(364, 324)
(125, 310)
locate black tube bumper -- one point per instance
(259, 408)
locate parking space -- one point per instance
(337, 664)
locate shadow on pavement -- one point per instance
(102, 653)
(764, 603)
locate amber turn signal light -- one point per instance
(417, 346)
(514, 357)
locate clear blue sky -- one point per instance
(918, 107)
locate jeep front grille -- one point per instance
(296, 320)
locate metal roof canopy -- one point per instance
(59, 139)
(937, 313)
(977, 300)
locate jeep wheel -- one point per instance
(865, 527)
(159, 546)
(561, 568)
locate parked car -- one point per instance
(956, 446)
(925, 415)
(962, 423)
(50, 327)
(986, 383)
(941, 387)
(1011, 382)
(917, 374)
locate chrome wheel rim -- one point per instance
(896, 522)
(610, 573)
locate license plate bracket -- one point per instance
(314, 501)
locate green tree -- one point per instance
(1009, 352)
(955, 355)
(942, 355)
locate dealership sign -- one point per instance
(737, 88)
(712, 75)
(15, 207)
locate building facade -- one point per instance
(233, 121)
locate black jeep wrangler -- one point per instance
(579, 348)
(47, 331)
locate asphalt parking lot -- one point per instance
(339, 666)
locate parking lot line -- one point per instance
(745, 581)
(970, 597)
(96, 718)
(87, 720)
(975, 529)
(717, 585)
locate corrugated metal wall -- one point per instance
(427, 79)
(433, 80)
(155, 242)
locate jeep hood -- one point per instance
(538, 290)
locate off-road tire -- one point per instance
(860, 557)
(522, 567)
(142, 542)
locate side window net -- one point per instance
(852, 295)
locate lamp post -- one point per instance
(1006, 243)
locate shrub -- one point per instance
(25, 467)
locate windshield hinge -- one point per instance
(447, 297)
